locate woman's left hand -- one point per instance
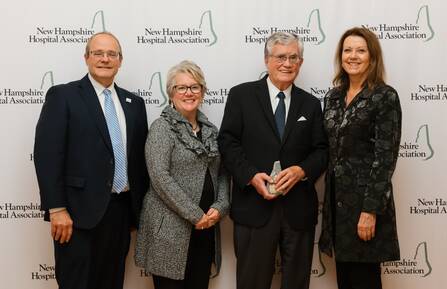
(213, 216)
(366, 227)
(208, 220)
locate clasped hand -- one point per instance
(284, 181)
(208, 220)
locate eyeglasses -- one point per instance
(293, 59)
(110, 54)
(182, 89)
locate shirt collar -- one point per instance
(273, 90)
(99, 88)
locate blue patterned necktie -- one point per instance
(120, 176)
(280, 114)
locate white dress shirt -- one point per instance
(99, 89)
(273, 91)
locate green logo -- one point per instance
(99, 14)
(210, 23)
(422, 138)
(425, 15)
(318, 21)
(425, 254)
(322, 270)
(47, 78)
(162, 92)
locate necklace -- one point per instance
(195, 129)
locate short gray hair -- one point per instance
(283, 38)
(189, 67)
(89, 42)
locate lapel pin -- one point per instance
(128, 100)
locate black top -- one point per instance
(204, 239)
(207, 198)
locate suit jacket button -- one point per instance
(339, 204)
(111, 161)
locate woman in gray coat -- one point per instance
(179, 238)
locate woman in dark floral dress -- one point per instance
(363, 123)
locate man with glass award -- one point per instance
(272, 126)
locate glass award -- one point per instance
(275, 171)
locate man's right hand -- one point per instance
(61, 226)
(259, 181)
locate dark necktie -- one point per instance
(280, 114)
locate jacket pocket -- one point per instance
(160, 225)
(74, 182)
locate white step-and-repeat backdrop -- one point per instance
(43, 44)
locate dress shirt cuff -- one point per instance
(55, 210)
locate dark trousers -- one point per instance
(198, 264)
(95, 258)
(353, 275)
(256, 248)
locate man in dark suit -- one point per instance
(90, 165)
(266, 121)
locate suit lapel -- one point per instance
(294, 109)
(127, 105)
(264, 99)
(94, 107)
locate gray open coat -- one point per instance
(363, 147)
(177, 162)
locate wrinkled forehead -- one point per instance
(289, 48)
